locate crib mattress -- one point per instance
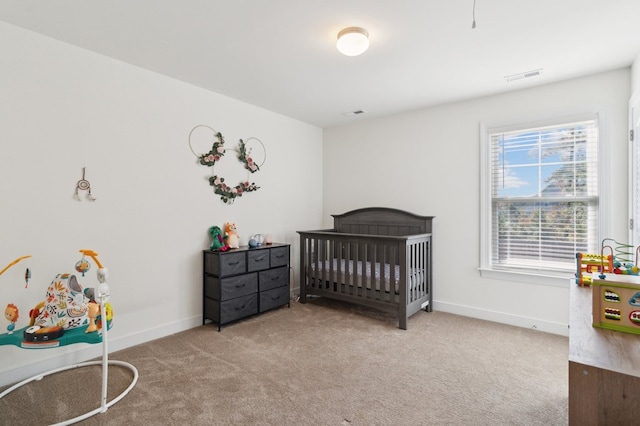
(416, 276)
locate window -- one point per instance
(634, 136)
(541, 202)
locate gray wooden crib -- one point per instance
(377, 257)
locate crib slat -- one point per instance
(320, 256)
(375, 274)
(332, 277)
(353, 260)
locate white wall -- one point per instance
(64, 108)
(427, 162)
(635, 76)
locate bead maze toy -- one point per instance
(623, 261)
(614, 258)
(69, 315)
(588, 264)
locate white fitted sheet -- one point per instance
(346, 270)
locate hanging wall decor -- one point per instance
(228, 193)
(83, 185)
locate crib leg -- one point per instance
(403, 323)
(303, 282)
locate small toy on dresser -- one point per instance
(217, 242)
(256, 240)
(231, 237)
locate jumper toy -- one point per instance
(64, 317)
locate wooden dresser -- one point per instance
(604, 369)
(241, 282)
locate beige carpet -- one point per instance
(323, 363)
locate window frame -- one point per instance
(634, 169)
(550, 278)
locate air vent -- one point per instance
(358, 112)
(522, 75)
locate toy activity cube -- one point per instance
(616, 303)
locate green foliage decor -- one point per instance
(229, 193)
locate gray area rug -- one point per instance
(322, 363)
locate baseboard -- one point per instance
(85, 353)
(518, 321)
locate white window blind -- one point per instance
(544, 196)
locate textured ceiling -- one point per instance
(281, 55)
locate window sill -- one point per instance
(549, 279)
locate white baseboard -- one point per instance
(85, 353)
(533, 323)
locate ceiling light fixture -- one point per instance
(353, 41)
(473, 25)
(357, 112)
(523, 75)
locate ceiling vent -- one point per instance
(357, 112)
(522, 75)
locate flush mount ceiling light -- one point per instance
(353, 41)
(522, 75)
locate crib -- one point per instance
(376, 257)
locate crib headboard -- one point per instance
(382, 221)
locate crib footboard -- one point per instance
(390, 273)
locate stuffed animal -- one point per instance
(217, 242)
(231, 237)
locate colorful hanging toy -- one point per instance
(83, 265)
(27, 277)
(11, 313)
(13, 263)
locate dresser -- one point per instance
(246, 281)
(604, 368)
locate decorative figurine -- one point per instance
(231, 237)
(83, 265)
(258, 240)
(108, 310)
(11, 314)
(92, 313)
(217, 242)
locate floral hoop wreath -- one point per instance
(227, 193)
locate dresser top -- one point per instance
(247, 248)
(611, 350)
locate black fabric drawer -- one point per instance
(239, 307)
(273, 278)
(273, 298)
(230, 287)
(279, 256)
(211, 309)
(224, 264)
(257, 260)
